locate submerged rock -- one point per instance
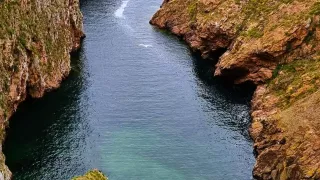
(274, 44)
(92, 175)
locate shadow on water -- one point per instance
(54, 122)
(233, 97)
(228, 104)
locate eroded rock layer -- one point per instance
(275, 45)
(36, 38)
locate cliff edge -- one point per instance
(275, 45)
(36, 38)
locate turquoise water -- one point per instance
(137, 105)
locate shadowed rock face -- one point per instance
(36, 38)
(275, 45)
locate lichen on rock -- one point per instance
(36, 38)
(275, 45)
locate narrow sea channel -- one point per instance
(137, 105)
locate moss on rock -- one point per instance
(92, 175)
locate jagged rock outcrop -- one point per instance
(36, 38)
(275, 45)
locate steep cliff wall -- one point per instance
(275, 45)
(36, 37)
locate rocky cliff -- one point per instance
(36, 38)
(275, 45)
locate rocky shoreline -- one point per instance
(274, 45)
(36, 38)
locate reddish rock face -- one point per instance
(36, 38)
(255, 42)
(275, 45)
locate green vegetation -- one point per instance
(315, 10)
(295, 80)
(192, 10)
(92, 175)
(253, 33)
(255, 9)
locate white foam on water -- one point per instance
(146, 45)
(119, 12)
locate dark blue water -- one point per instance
(137, 105)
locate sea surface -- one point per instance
(138, 105)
